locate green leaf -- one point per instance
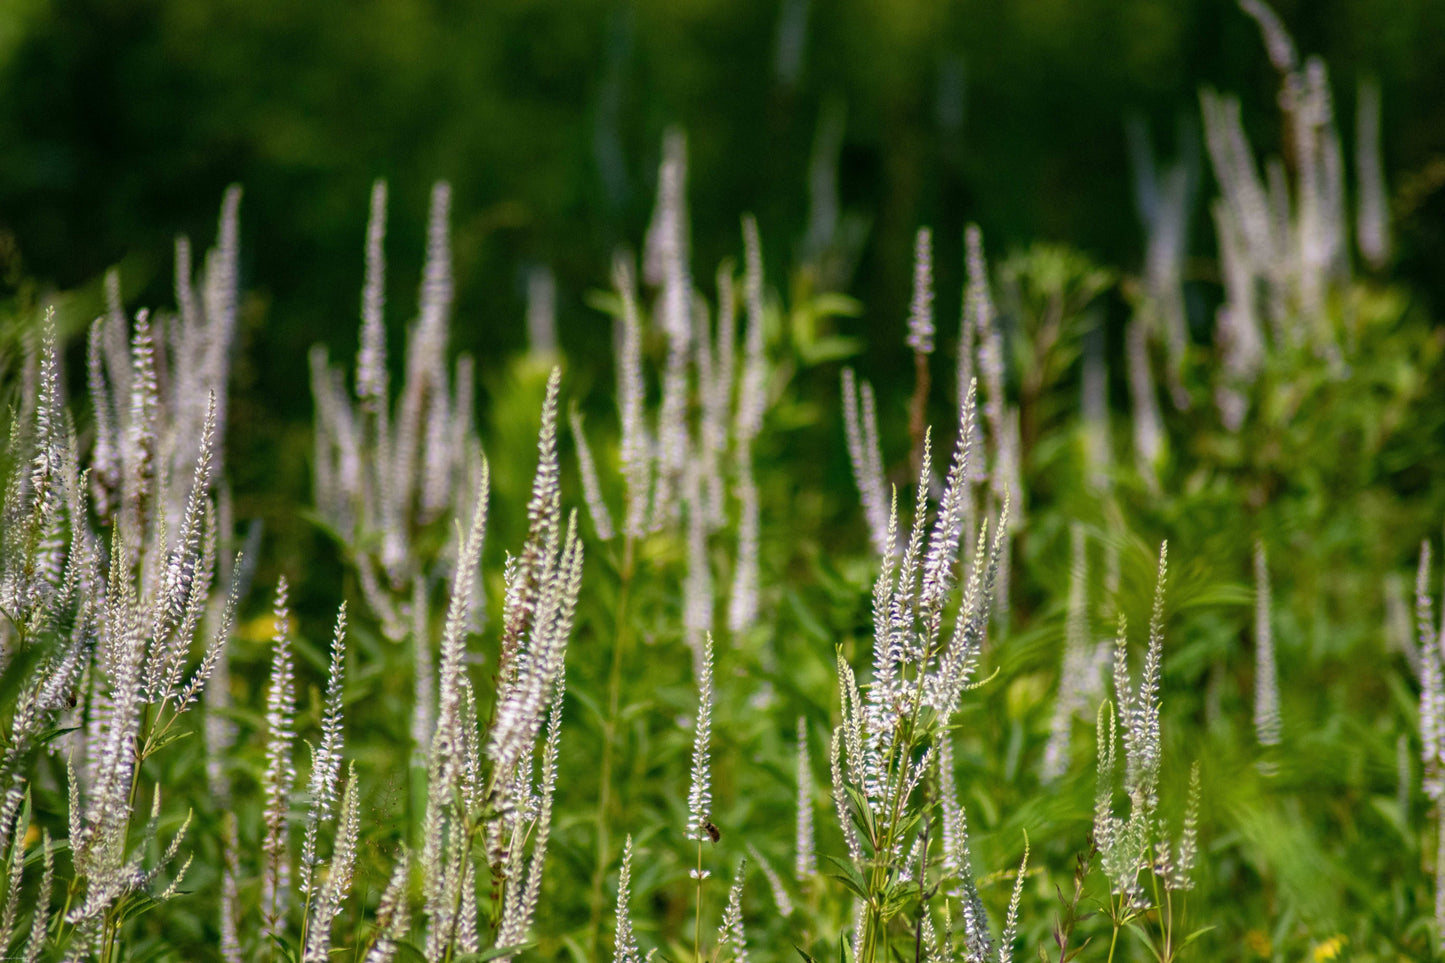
(850, 883)
(897, 896)
(50, 735)
(175, 735)
(287, 951)
(1144, 937)
(607, 302)
(905, 830)
(848, 874)
(863, 814)
(411, 953)
(833, 304)
(830, 348)
(574, 948)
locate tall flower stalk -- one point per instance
(108, 567)
(1431, 652)
(1135, 846)
(891, 740)
(385, 470)
(699, 793)
(685, 465)
(485, 798)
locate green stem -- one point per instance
(305, 919)
(1168, 924)
(883, 846)
(1163, 907)
(141, 749)
(697, 924)
(1115, 916)
(65, 910)
(461, 889)
(140, 758)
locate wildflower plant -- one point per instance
(687, 466)
(890, 751)
(103, 623)
(625, 948)
(1079, 672)
(699, 829)
(122, 603)
(384, 470)
(485, 797)
(289, 881)
(1133, 846)
(1431, 674)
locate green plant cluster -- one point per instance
(623, 670)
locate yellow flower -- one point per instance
(1258, 943)
(1329, 949)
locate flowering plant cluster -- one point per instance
(691, 686)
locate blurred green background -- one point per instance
(121, 121)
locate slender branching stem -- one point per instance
(1116, 917)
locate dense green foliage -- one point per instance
(1317, 841)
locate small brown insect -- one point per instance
(713, 832)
